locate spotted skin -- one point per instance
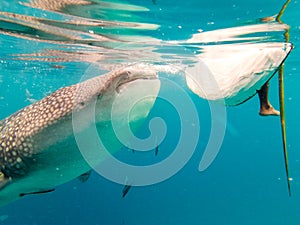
(18, 132)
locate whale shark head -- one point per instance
(38, 150)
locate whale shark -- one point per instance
(38, 149)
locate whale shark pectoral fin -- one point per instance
(4, 180)
(85, 176)
(37, 192)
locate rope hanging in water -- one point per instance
(283, 127)
(281, 103)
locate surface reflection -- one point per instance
(239, 59)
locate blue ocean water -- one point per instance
(245, 184)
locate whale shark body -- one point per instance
(38, 149)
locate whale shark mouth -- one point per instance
(124, 84)
(142, 72)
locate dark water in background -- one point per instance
(245, 185)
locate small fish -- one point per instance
(126, 190)
(31, 100)
(55, 66)
(85, 176)
(37, 192)
(29, 96)
(156, 150)
(128, 149)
